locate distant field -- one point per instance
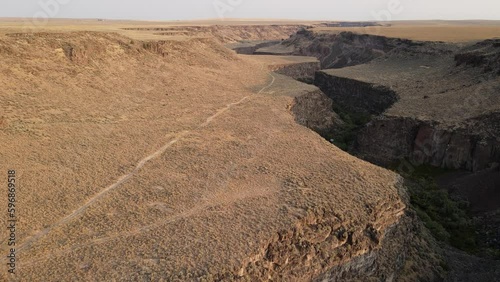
(429, 31)
(449, 31)
(11, 25)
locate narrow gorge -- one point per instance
(412, 107)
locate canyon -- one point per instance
(416, 104)
(151, 151)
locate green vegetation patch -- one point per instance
(448, 219)
(345, 138)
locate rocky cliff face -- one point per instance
(405, 249)
(484, 55)
(406, 92)
(249, 47)
(304, 72)
(386, 140)
(314, 111)
(356, 96)
(343, 49)
(322, 248)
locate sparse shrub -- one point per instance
(353, 122)
(447, 219)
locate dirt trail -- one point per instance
(215, 201)
(26, 245)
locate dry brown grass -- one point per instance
(426, 89)
(82, 110)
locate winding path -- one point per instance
(26, 245)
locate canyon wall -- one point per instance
(248, 48)
(314, 111)
(356, 96)
(341, 49)
(227, 33)
(304, 71)
(320, 247)
(472, 145)
(386, 140)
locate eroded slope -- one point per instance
(446, 103)
(165, 161)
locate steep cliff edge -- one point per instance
(356, 96)
(319, 247)
(388, 139)
(309, 106)
(337, 50)
(484, 54)
(297, 67)
(227, 33)
(444, 114)
(445, 121)
(247, 47)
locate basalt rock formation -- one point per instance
(435, 106)
(303, 71)
(484, 54)
(356, 96)
(337, 50)
(386, 140)
(444, 113)
(249, 47)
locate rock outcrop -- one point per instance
(341, 49)
(297, 67)
(356, 96)
(304, 71)
(484, 55)
(432, 103)
(249, 47)
(314, 110)
(386, 140)
(227, 33)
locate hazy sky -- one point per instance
(285, 9)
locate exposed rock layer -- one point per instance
(434, 105)
(386, 140)
(301, 71)
(249, 47)
(342, 49)
(356, 96)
